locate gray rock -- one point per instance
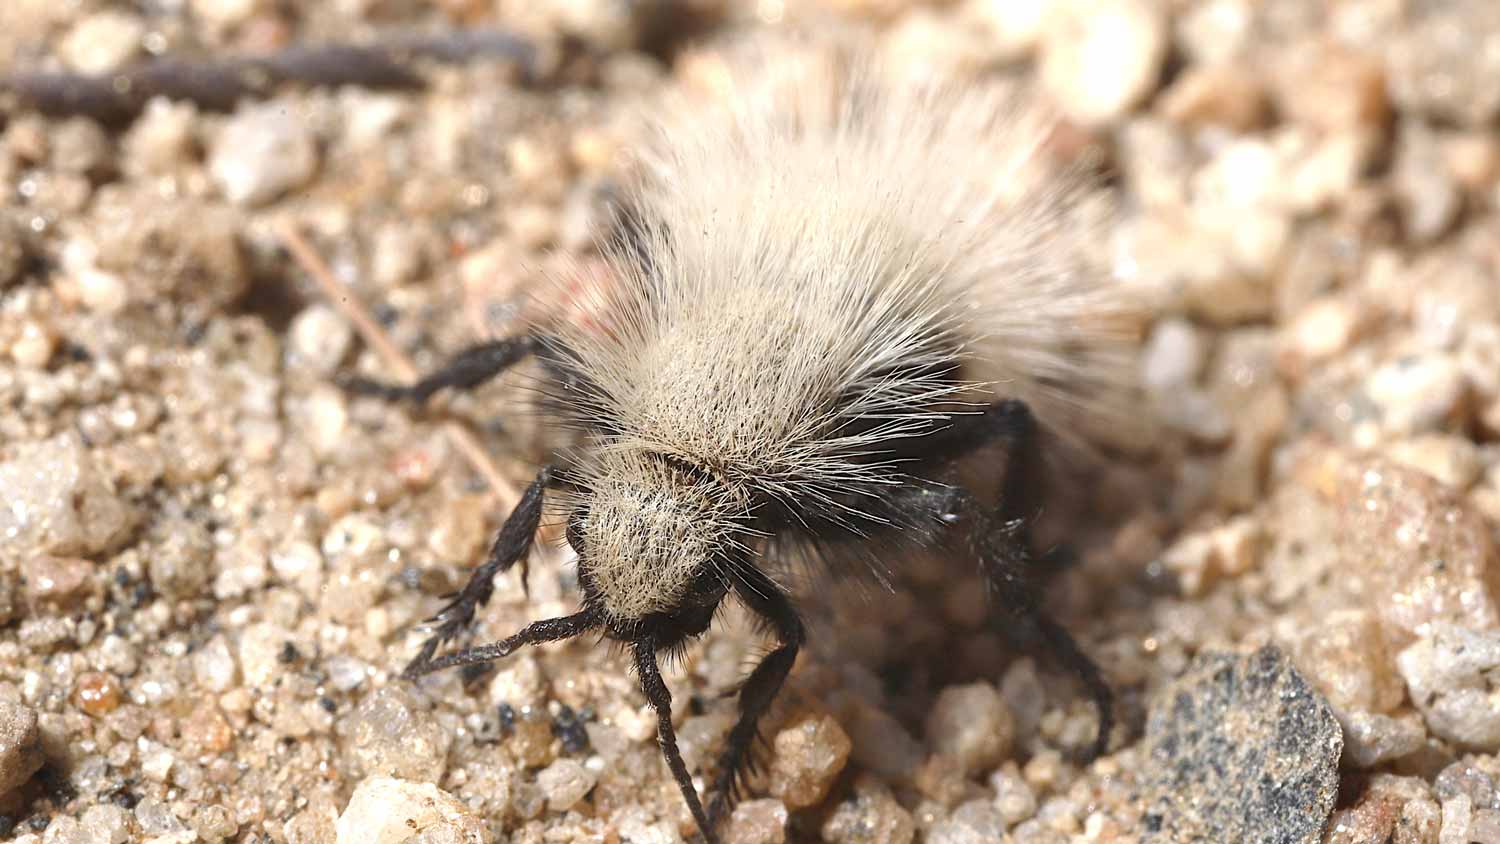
(1241, 749)
(20, 745)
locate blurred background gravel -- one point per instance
(212, 561)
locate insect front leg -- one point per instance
(759, 690)
(511, 546)
(464, 371)
(660, 697)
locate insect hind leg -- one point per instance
(1003, 543)
(1000, 539)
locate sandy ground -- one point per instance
(213, 562)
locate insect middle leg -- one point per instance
(467, 369)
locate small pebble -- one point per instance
(214, 823)
(397, 256)
(157, 762)
(1423, 553)
(1458, 813)
(226, 12)
(187, 250)
(260, 649)
(1101, 57)
(106, 824)
(35, 345)
(20, 745)
(869, 816)
(1429, 195)
(155, 817)
(263, 152)
(1192, 562)
(388, 734)
(1444, 62)
(100, 291)
(58, 501)
(1320, 330)
(102, 42)
(55, 580)
(97, 693)
(1450, 460)
(757, 822)
(1447, 673)
(206, 730)
(384, 810)
(1174, 355)
(971, 724)
(181, 564)
(1371, 739)
(162, 138)
(809, 755)
(1419, 823)
(214, 665)
(1331, 88)
(319, 339)
(975, 822)
(1346, 657)
(1418, 394)
(1013, 796)
(564, 783)
(1227, 96)
(347, 673)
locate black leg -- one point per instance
(759, 690)
(535, 633)
(1007, 420)
(469, 368)
(660, 698)
(1003, 545)
(1011, 573)
(511, 546)
(1001, 539)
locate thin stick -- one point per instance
(504, 492)
(219, 83)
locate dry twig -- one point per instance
(218, 84)
(369, 329)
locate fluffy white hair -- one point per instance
(826, 260)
